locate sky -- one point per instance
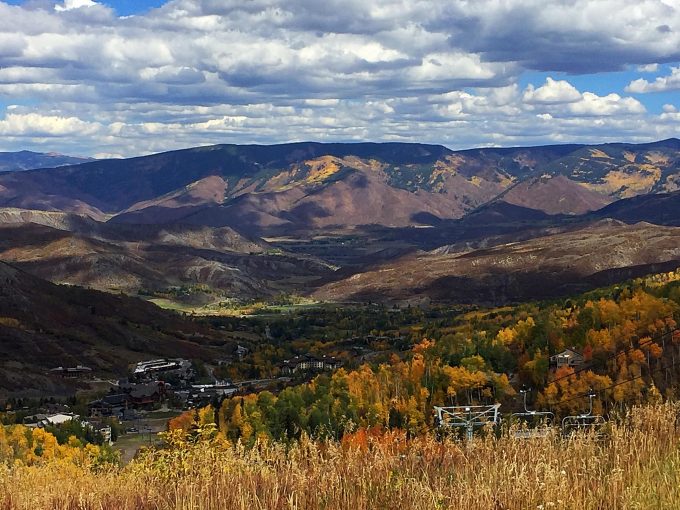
(132, 77)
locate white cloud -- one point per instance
(661, 84)
(553, 92)
(74, 4)
(611, 104)
(34, 124)
(562, 99)
(648, 68)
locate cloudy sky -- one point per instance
(129, 77)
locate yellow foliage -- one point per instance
(322, 168)
(10, 322)
(22, 446)
(597, 153)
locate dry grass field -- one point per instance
(635, 465)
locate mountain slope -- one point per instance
(132, 258)
(556, 195)
(543, 267)
(43, 325)
(660, 209)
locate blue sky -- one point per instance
(122, 7)
(608, 82)
(133, 77)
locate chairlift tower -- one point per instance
(467, 417)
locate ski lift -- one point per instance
(588, 422)
(534, 423)
(467, 417)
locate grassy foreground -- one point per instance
(637, 465)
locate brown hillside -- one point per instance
(543, 267)
(131, 258)
(556, 195)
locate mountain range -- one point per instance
(333, 220)
(305, 186)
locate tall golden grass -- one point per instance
(635, 465)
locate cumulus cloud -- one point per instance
(661, 84)
(74, 4)
(611, 104)
(36, 125)
(553, 92)
(574, 36)
(561, 98)
(205, 71)
(648, 68)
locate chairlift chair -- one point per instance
(538, 423)
(588, 422)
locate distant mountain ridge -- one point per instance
(303, 186)
(28, 160)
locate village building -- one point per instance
(77, 372)
(129, 396)
(162, 365)
(146, 395)
(310, 363)
(567, 358)
(46, 420)
(109, 405)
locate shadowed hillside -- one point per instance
(43, 325)
(543, 267)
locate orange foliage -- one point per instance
(182, 422)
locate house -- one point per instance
(109, 405)
(145, 395)
(177, 365)
(129, 396)
(310, 363)
(58, 419)
(101, 428)
(200, 394)
(218, 389)
(106, 434)
(567, 358)
(32, 421)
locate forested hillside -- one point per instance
(627, 335)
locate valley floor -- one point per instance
(635, 466)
